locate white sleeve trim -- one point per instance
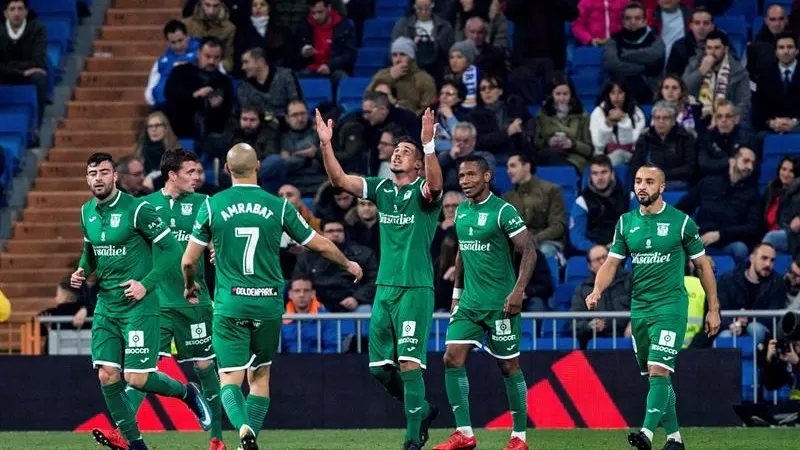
(309, 238)
(499, 213)
(283, 210)
(581, 202)
(703, 252)
(364, 187)
(615, 255)
(683, 228)
(161, 236)
(208, 207)
(520, 230)
(198, 241)
(86, 240)
(136, 213)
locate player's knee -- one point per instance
(203, 365)
(508, 366)
(107, 375)
(405, 366)
(258, 380)
(135, 379)
(453, 360)
(657, 371)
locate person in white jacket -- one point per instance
(616, 123)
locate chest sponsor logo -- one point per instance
(474, 245)
(115, 219)
(397, 219)
(180, 235)
(667, 338)
(109, 250)
(407, 333)
(651, 258)
(254, 291)
(662, 229)
(482, 219)
(186, 209)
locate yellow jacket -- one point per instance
(5, 307)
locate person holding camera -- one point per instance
(782, 366)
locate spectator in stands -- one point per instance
(598, 21)
(388, 89)
(636, 53)
(326, 43)
(461, 68)
(292, 194)
(444, 271)
(335, 287)
(540, 203)
(154, 139)
(386, 145)
(617, 297)
(781, 369)
(210, 18)
(616, 123)
(464, 139)
(362, 226)
(199, 96)
(562, 128)
(597, 210)
(271, 88)
(292, 13)
(786, 238)
(499, 119)
(299, 146)
(432, 37)
(131, 176)
(416, 89)
(379, 113)
(23, 51)
(673, 90)
(446, 227)
(670, 20)
(262, 133)
(752, 285)
(540, 288)
(259, 32)
(68, 302)
(692, 44)
(491, 50)
(718, 75)
(311, 339)
(728, 206)
(718, 145)
(488, 14)
(449, 112)
(204, 187)
(761, 50)
(668, 146)
(793, 286)
(181, 49)
(239, 10)
(784, 176)
(775, 106)
(333, 203)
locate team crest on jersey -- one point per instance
(186, 209)
(407, 195)
(663, 229)
(115, 218)
(482, 218)
(172, 222)
(647, 243)
(103, 236)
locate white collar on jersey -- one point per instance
(663, 207)
(245, 185)
(486, 199)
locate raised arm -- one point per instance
(350, 183)
(433, 171)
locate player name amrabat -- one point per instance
(254, 292)
(109, 250)
(246, 208)
(474, 246)
(400, 219)
(650, 258)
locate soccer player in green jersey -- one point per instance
(245, 225)
(658, 238)
(486, 300)
(118, 232)
(408, 209)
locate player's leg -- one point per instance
(137, 396)
(382, 354)
(263, 344)
(640, 335)
(668, 333)
(231, 341)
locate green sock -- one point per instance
(135, 398)
(670, 417)
(233, 402)
(657, 399)
(120, 408)
(162, 384)
(517, 393)
(209, 382)
(256, 407)
(390, 378)
(456, 384)
(413, 402)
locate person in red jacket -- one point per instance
(327, 43)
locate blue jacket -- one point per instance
(308, 337)
(585, 229)
(164, 65)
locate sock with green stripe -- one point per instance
(657, 399)
(456, 384)
(135, 398)
(517, 393)
(209, 382)
(233, 402)
(414, 403)
(670, 417)
(257, 407)
(162, 384)
(120, 408)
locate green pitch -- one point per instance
(695, 438)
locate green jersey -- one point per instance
(245, 224)
(117, 239)
(658, 244)
(179, 213)
(484, 230)
(408, 218)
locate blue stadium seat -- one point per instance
(15, 125)
(569, 200)
(377, 32)
(723, 264)
(588, 86)
(587, 60)
(778, 145)
(748, 380)
(22, 99)
(758, 24)
(577, 270)
(607, 343)
(436, 338)
(534, 109)
(370, 60)
(742, 8)
(554, 271)
(391, 8)
(316, 91)
(736, 27)
(564, 176)
(782, 262)
(59, 33)
(351, 90)
(56, 10)
(502, 183)
(188, 144)
(12, 148)
(648, 112)
(510, 34)
(563, 295)
(309, 202)
(672, 197)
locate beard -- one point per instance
(102, 195)
(649, 200)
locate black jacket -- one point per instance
(772, 101)
(734, 210)
(400, 117)
(734, 292)
(541, 284)
(276, 43)
(539, 28)
(675, 155)
(789, 209)
(603, 212)
(682, 51)
(617, 297)
(344, 46)
(761, 54)
(714, 149)
(27, 52)
(492, 137)
(182, 107)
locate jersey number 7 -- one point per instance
(251, 233)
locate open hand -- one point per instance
(428, 126)
(324, 130)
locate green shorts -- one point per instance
(129, 343)
(657, 340)
(191, 329)
(398, 327)
(244, 343)
(492, 331)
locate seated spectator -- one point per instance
(259, 32)
(596, 211)
(489, 12)
(717, 146)
(784, 176)
(540, 203)
(781, 369)
(718, 75)
(388, 89)
(786, 238)
(444, 271)
(449, 112)
(154, 139)
(670, 19)
(464, 138)
(673, 90)
(668, 146)
(416, 89)
(68, 302)
(299, 147)
(562, 128)
(335, 287)
(271, 88)
(617, 297)
(752, 285)
(292, 194)
(462, 69)
(761, 50)
(302, 300)
(379, 113)
(386, 146)
(616, 123)
(446, 227)
(635, 53)
(692, 44)
(598, 21)
(130, 176)
(238, 9)
(210, 19)
(252, 127)
(333, 203)
(490, 47)
(349, 142)
(326, 43)
(499, 119)
(793, 286)
(202, 186)
(23, 51)
(181, 50)
(292, 13)
(728, 206)
(775, 106)
(431, 35)
(540, 288)
(362, 226)
(199, 96)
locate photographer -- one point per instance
(782, 367)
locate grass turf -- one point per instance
(695, 438)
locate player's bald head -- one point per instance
(241, 160)
(651, 171)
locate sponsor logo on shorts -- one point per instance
(408, 340)
(409, 327)
(254, 291)
(502, 327)
(202, 341)
(667, 338)
(137, 351)
(661, 348)
(135, 338)
(507, 338)
(198, 330)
